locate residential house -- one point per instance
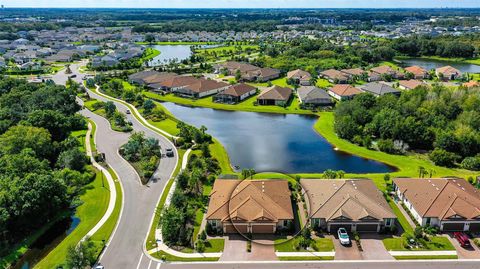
(175, 83)
(353, 204)
(448, 73)
(150, 77)
(354, 72)
(250, 206)
(343, 92)
(104, 61)
(235, 94)
(247, 71)
(452, 204)
(302, 77)
(417, 71)
(385, 70)
(335, 76)
(276, 95)
(313, 96)
(201, 88)
(379, 89)
(410, 84)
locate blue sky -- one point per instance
(244, 3)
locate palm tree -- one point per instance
(203, 129)
(421, 171)
(251, 172)
(245, 173)
(340, 174)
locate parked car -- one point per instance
(128, 111)
(343, 236)
(169, 152)
(73, 76)
(462, 238)
(99, 267)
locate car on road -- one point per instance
(343, 236)
(462, 238)
(128, 111)
(73, 76)
(169, 152)
(99, 267)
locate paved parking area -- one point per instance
(350, 252)
(373, 248)
(465, 253)
(262, 248)
(236, 249)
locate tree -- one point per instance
(471, 163)
(72, 159)
(148, 106)
(82, 255)
(171, 223)
(110, 109)
(421, 171)
(17, 138)
(149, 38)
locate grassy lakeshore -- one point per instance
(438, 58)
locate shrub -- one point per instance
(443, 158)
(471, 163)
(386, 145)
(200, 246)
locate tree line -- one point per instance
(443, 121)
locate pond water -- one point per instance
(274, 142)
(47, 242)
(170, 52)
(429, 64)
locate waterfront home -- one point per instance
(353, 204)
(149, 77)
(313, 96)
(104, 61)
(343, 91)
(175, 83)
(276, 95)
(448, 73)
(379, 89)
(235, 94)
(247, 71)
(301, 77)
(452, 204)
(354, 72)
(335, 76)
(417, 71)
(409, 84)
(250, 206)
(201, 88)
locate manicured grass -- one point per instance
(171, 258)
(400, 217)
(150, 53)
(198, 221)
(309, 258)
(288, 245)
(174, 43)
(427, 257)
(282, 82)
(214, 245)
(323, 83)
(435, 243)
(95, 203)
(246, 105)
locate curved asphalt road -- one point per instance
(125, 250)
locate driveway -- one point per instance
(373, 248)
(464, 253)
(350, 252)
(236, 249)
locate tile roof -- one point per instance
(306, 93)
(299, 74)
(441, 198)
(345, 90)
(416, 70)
(471, 84)
(334, 74)
(204, 85)
(250, 200)
(410, 84)
(448, 70)
(178, 81)
(353, 71)
(378, 88)
(276, 93)
(383, 69)
(354, 199)
(238, 89)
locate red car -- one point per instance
(462, 238)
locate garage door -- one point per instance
(236, 229)
(474, 227)
(262, 229)
(453, 227)
(335, 227)
(367, 227)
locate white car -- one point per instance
(99, 267)
(343, 236)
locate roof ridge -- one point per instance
(329, 198)
(436, 197)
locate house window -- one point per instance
(428, 221)
(285, 222)
(388, 222)
(214, 224)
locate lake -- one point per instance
(274, 142)
(170, 52)
(429, 64)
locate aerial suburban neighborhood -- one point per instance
(251, 137)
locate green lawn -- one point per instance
(214, 245)
(288, 245)
(174, 43)
(435, 243)
(246, 105)
(400, 217)
(95, 203)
